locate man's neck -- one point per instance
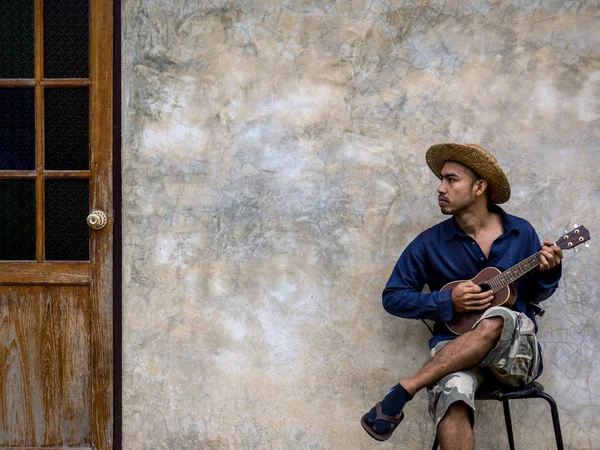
(477, 218)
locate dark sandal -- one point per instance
(395, 421)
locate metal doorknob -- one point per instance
(97, 220)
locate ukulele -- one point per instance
(500, 283)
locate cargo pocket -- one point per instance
(525, 348)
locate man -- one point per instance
(502, 343)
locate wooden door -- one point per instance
(56, 318)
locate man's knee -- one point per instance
(491, 328)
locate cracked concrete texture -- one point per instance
(273, 171)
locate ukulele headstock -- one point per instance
(573, 238)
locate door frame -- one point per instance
(102, 244)
(117, 236)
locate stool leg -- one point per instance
(555, 421)
(435, 443)
(509, 429)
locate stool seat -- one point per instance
(495, 391)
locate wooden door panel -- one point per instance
(45, 376)
(56, 323)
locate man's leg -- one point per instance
(514, 361)
(464, 352)
(454, 431)
(452, 405)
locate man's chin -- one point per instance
(446, 210)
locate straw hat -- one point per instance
(477, 159)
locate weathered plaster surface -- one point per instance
(273, 164)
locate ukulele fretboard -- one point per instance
(515, 272)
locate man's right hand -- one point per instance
(467, 297)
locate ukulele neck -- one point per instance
(515, 272)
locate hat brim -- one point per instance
(478, 160)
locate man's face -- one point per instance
(456, 191)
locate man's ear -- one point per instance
(481, 186)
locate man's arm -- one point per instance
(402, 295)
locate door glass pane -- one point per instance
(16, 39)
(17, 220)
(67, 232)
(66, 129)
(66, 40)
(17, 129)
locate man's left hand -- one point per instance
(551, 256)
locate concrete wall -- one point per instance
(273, 167)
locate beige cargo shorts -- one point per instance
(514, 361)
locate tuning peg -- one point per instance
(576, 250)
(587, 245)
(566, 231)
(575, 225)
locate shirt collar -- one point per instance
(508, 224)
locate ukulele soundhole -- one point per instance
(485, 287)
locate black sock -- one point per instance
(391, 405)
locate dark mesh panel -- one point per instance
(66, 24)
(17, 220)
(67, 232)
(16, 39)
(66, 129)
(17, 129)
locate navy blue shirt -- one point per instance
(444, 253)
